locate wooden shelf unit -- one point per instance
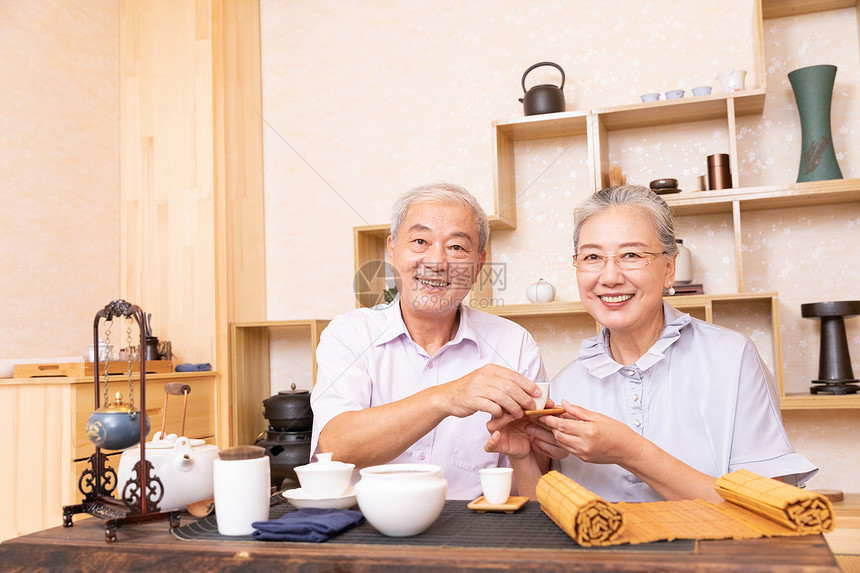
(251, 378)
(782, 8)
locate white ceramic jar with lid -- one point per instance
(540, 291)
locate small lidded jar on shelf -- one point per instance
(683, 264)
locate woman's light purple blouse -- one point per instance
(701, 393)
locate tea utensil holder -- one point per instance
(140, 494)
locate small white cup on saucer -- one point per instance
(540, 401)
(650, 97)
(702, 91)
(674, 94)
(496, 483)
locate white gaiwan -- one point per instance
(324, 478)
(540, 291)
(401, 500)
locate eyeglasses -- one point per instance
(627, 261)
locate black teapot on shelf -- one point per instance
(545, 98)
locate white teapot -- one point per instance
(540, 291)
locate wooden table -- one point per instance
(150, 547)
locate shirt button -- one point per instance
(421, 456)
(631, 372)
(637, 423)
(430, 365)
(635, 397)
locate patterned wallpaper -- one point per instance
(362, 100)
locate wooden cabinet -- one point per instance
(593, 131)
(45, 447)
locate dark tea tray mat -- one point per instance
(457, 526)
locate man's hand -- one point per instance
(493, 389)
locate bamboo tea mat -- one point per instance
(457, 526)
(755, 507)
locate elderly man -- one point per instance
(417, 380)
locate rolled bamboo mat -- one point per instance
(589, 520)
(584, 516)
(800, 510)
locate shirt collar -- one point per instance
(594, 352)
(396, 327)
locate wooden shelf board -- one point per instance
(497, 223)
(538, 309)
(807, 401)
(381, 232)
(576, 308)
(277, 323)
(545, 125)
(683, 110)
(651, 114)
(378, 231)
(782, 8)
(767, 197)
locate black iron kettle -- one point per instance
(544, 98)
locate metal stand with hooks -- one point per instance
(142, 493)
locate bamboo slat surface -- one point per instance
(755, 507)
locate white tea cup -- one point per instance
(540, 401)
(241, 491)
(496, 483)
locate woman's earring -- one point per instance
(671, 290)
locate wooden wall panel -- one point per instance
(192, 195)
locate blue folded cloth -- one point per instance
(308, 524)
(187, 367)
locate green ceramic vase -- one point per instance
(813, 92)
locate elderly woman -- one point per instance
(658, 404)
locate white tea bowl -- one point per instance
(324, 479)
(401, 500)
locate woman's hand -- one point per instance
(544, 442)
(593, 437)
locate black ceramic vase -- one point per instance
(813, 92)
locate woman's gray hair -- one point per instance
(448, 193)
(636, 197)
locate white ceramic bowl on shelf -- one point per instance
(401, 500)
